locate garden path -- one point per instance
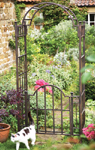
(57, 122)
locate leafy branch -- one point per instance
(89, 70)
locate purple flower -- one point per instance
(53, 76)
(34, 74)
(59, 66)
(48, 71)
(55, 67)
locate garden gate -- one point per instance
(76, 108)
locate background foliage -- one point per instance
(58, 39)
(54, 14)
(53, 54)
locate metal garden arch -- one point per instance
(21, 77)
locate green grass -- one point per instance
(48, 144)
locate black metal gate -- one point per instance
(65, 112)
(21, 78)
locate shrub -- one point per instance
(38, 20)
(32, 48)
(90, 89)
(58, 39)
(73, 54)
(89, 40)
(8, 107)
(43, 58)
(61, 58)
(8, 80)
(89, 112)
(90, 51)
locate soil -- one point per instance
(45, 137)
(1, 127)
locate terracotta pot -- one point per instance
(4, 133)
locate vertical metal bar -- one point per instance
(80, 84)
(45, 105)
(83, 66)
(26, 110)
(19, 71)
(19, 64)
(17, 84)
(22, 113)
(20, 30)
(37, 109)
(22, 81)
(61, 115)
(16, 43)
(25, 75)
(25, 31)
(28, 106)
(29, 101)
(24, 72)
(76, 115)
(84, 38)
(53, 109)
(71, 114)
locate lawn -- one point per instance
(52, 143)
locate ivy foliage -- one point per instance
(54, 14)
(18, 11)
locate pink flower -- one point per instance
(90, 125)
(48, 88)
(85, 131)
(90, 136)
(46, 83)
(40, 82)
(50, 91)
(36, 87)
(40, 89)
(89, 131)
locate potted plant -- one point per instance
(38, 21)
(8, 112)
(4, 132)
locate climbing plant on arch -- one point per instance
(21, 77)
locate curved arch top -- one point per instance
(44, 86)
(39, 6)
